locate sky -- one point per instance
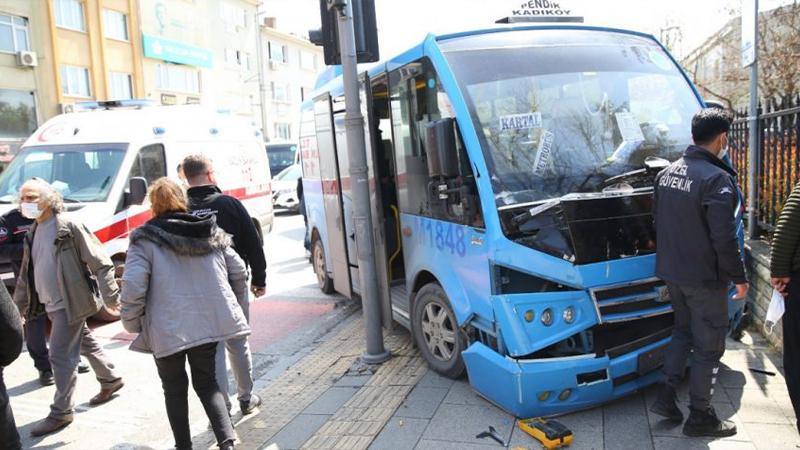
(403, 23)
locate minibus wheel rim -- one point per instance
(319, 264)
(438, 331)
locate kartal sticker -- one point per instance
(521, 121)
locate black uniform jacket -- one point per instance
(695, 211)
(13, 228)
(236, 221)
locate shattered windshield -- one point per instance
(561, 111)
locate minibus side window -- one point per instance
(417, 99)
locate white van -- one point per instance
(103, 158)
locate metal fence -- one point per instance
(779, 156)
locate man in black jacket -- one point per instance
(206, 198)
(698, 256)
(13, 227)
(10, 348)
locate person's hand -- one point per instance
(258, 291)
(741, 291)
(780, 284)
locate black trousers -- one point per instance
(9, 438)
(701, 324)
(172, 371)
(36, 342)
(791, 342)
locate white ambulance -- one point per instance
(103, 157)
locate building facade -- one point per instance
(291, 65)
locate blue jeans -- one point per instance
(36, 342)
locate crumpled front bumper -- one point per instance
(519, 386)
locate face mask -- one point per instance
(30, 210)
(723, 152)
(774, 312)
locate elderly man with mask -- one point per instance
(63, 268)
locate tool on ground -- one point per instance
(765, 372)
(551, 433)
(492, 433)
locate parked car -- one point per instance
(284, 188)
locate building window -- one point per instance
(171, 77)
(283, 131)
(278, 53)
(121, 86)
(280, 92)
(17, 114)
(69, 14)
(116, 24)
(307, 61)
(13, 34)
(75, 81)
(235, 18)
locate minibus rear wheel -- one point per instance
(324, 281)
(436, 331)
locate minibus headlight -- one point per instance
(569, 314)
(529, 315)
(543, 396)
(564, 394)
(547, 317)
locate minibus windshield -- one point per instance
(560, 112)
(82, 173)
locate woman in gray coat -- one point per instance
(179, 292)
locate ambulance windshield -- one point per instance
(82, 173)
(562, 111)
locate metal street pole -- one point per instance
(754, 156)
(357, 153)
(262, 83)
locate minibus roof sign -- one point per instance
(541, 11)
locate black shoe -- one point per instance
(46, 377)
(706, 423)
(83, 367)
(666, 406)
(249, 407)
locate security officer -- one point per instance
(698, 256)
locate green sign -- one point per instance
(177, 52)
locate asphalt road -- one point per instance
(286, 323)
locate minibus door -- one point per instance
(376, 201)
(332, 195)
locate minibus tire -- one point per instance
(431, 300)
(324, 281)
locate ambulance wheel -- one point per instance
(108, 314)
(436, 331)
(324, 281)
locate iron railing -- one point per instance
(779, 156)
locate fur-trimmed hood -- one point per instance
(184, 234)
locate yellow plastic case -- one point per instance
(551, 433)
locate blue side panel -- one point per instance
(456, 255)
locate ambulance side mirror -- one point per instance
(441, 148)
(137, 191)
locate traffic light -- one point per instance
(365, 26)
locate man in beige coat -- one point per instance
(64, 271)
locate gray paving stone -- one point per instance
(630, 405)
(422, 402)
(399, 434)
(755, 406)
(352, 381)
(330, 401)
(677, 443)
(433, 379)
(298, 431)
(772, 436)
(461, 393)
(463, 422)
(626, 430)
(589, 420)
(427, 444)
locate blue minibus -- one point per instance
(511, 176)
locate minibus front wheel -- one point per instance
(436, 331)
(324, 281)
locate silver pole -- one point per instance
(357, 153)
(754, 156)
(262, 83)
